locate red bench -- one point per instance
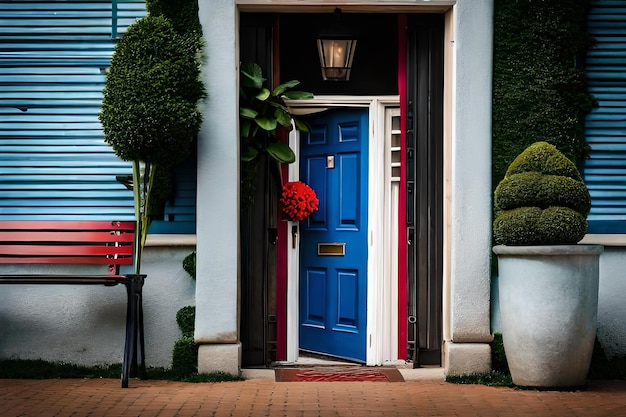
(109, 243)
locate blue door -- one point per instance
(333, 243)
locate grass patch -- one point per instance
(492, 379)
(40, 369)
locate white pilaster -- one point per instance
(217, 283)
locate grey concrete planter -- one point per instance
(548, 308)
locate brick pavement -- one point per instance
(263, 397)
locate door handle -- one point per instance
(294, 236)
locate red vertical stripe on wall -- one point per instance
(281, 286)
(281, 245)
(402, 249)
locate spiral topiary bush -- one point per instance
(185, 354)
(542, 200)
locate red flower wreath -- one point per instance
(298, 201)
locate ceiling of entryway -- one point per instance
(374, 70)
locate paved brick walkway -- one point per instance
(264, 397)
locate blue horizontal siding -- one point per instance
(180, 212)
(605, 170)
(54, 163)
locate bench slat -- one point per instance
(75, 250)
(66, 225)
(63, 279)
(100, 260)
(112, 236)
(67, 242)
(67, 260)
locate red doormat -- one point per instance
(353, 374)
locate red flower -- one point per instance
(298, 201)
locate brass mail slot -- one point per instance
(331, 249)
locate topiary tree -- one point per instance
(185, 354)
(189, 264)
(182, 13)
(542, 200)
(150, 113)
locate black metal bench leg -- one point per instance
(139, 351)
(142, 346)
(131, 331)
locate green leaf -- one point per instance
(251, 76)
(278, 105)
(298, 95)
(244, 128)
(281, 152)
(283, 117)
(263, 94)
(249, 154)
(266, 123)
(248, 113)
(281, 88)
(302, 126)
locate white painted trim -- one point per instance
(326, 6)
(293, 266)
(377, 343)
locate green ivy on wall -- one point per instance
(539, 90)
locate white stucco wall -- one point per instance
(85, 324)
(611, 306)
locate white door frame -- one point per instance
(380, 324)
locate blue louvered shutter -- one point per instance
(605, 170)
(180, 212)
(54, 163)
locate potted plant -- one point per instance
(262, 115)
(548, 284)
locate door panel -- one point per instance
(333, 275)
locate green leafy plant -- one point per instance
(498, 355)
(185, 317)
(542, 200)
(189, 264)
(262, 112)
(182, 13)
(185, 353)
(185, 357)
(150, 113)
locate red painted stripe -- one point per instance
(402, 249)
(281, 246)
(281, 285)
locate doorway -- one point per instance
(376, 326)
